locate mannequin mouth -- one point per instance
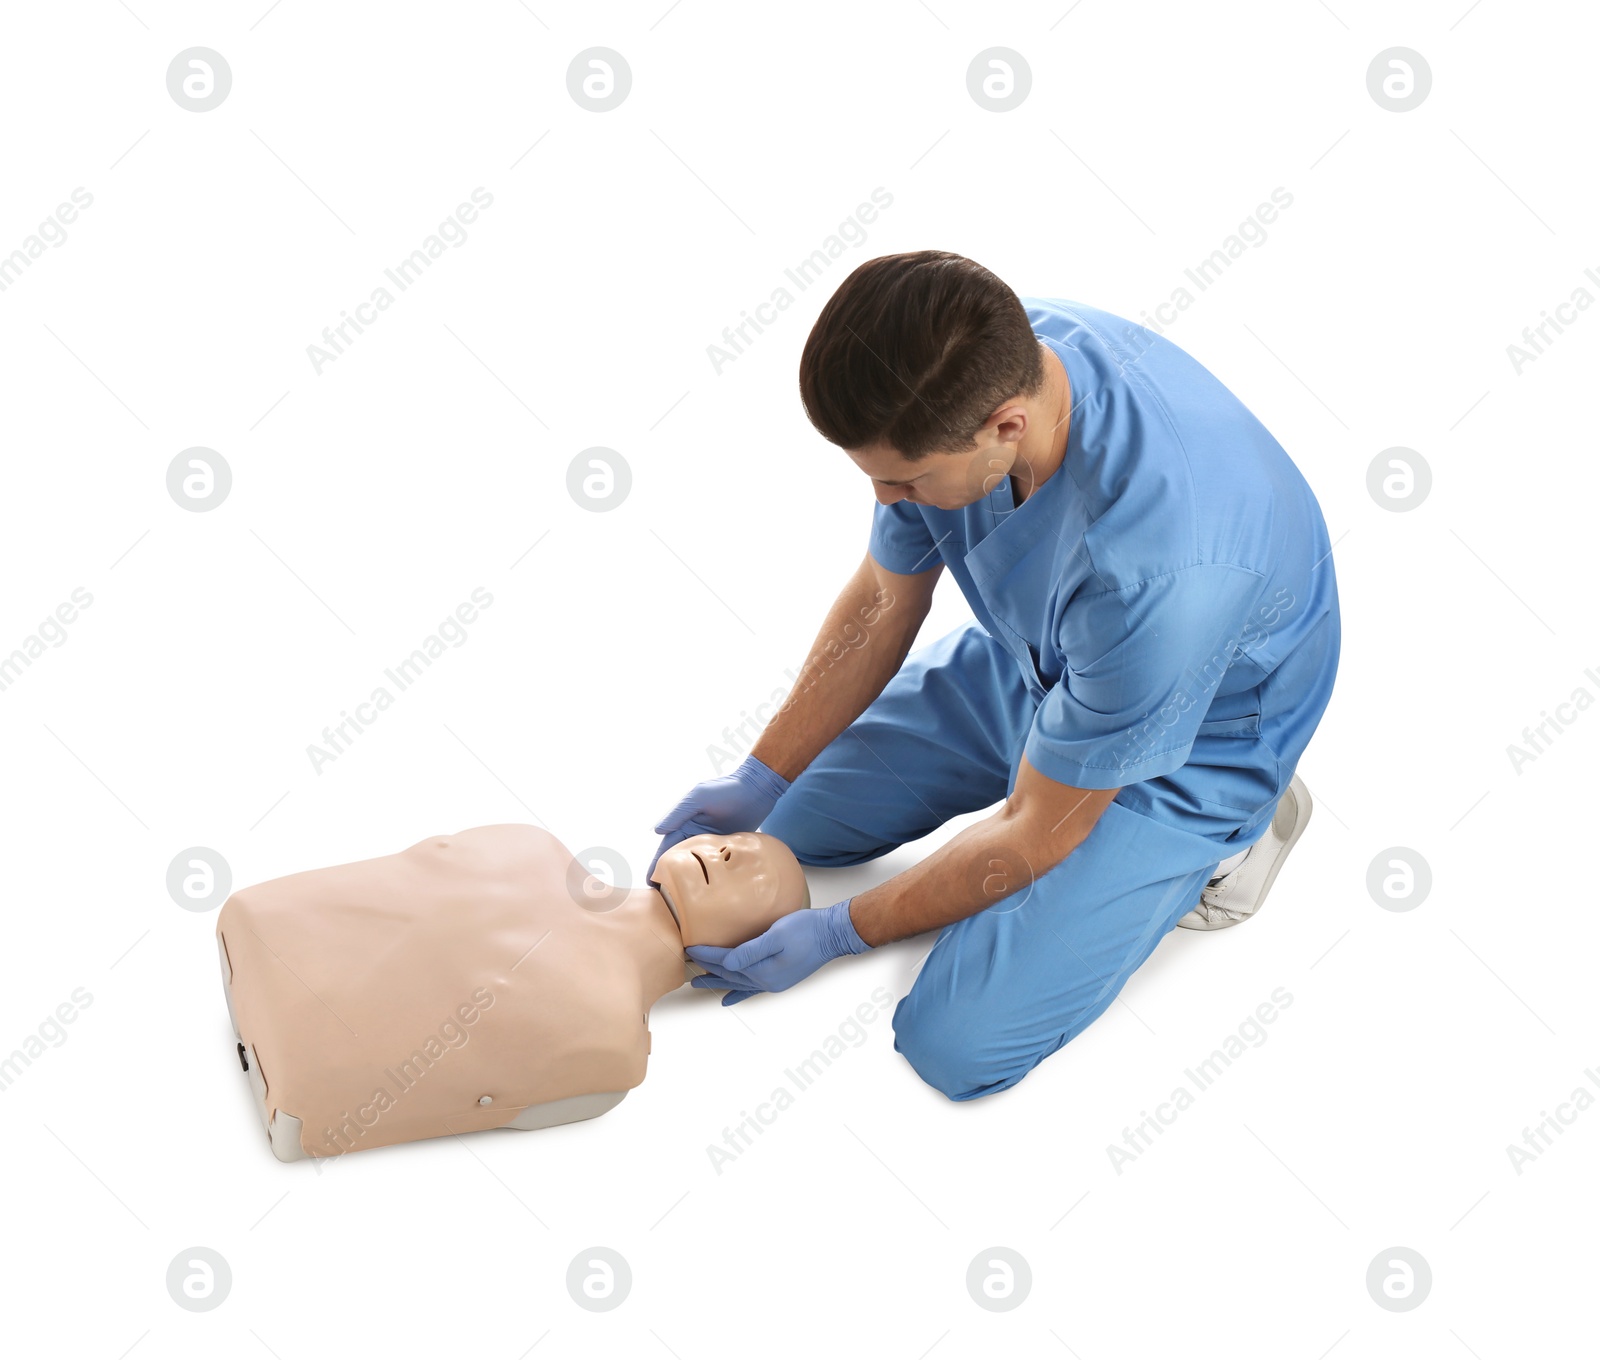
(705, 873)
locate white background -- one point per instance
(430, 458)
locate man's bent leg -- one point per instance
(939, 741)
(1004, 989)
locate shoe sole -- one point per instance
(1303, 805)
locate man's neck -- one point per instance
(1044, 446)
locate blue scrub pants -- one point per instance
(1003, 989)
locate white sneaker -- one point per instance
(1237, 895)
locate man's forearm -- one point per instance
(1000, 856)
(865, 637)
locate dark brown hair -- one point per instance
(917, 350)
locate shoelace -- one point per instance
(1209, 907)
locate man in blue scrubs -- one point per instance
(1155, 639)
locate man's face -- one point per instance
(946, 481)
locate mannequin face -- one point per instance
(725, 890)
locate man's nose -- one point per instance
(888, 495)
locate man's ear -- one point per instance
(1009, 422)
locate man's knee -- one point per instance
(952, 1053)
(818, 839)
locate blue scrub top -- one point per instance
(1168, 593)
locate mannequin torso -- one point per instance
(448, 988)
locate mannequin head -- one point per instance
(724, 890)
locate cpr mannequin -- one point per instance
(475, 981)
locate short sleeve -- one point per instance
(901, 540)
(1142, 665)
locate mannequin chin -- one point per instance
(724, 890)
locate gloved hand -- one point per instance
(792, 948)
(732, 802)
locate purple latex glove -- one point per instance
(732, 802)
(791, 949)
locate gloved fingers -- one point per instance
(734, 998)
(707, 955)
(721, 981)
(684, 828)
(746, 956)
(733, 977)
(681, 812)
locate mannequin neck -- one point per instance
(654, 938)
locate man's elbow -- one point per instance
(1051, 823)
